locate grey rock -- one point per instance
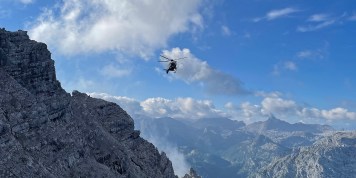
(192, 174)
(46, 132)
(332, 156)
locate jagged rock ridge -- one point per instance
(46, 132)
(332, 156)
(192, 174)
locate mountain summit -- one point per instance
(46, 132)
(272, 123)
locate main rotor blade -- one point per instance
(172, 58)
(163, 61)
(165, 57)
(181, 58)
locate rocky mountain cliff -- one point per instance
(46, 132)
(332, 156)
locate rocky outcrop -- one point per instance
(46, 132)
(192, 174)
(332, 156)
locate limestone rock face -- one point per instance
(331, 156)
(192, 174)
(46, 132)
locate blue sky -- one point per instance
(247, 59)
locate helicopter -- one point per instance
(172, 66)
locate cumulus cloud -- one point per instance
(194, 70)
(136, 27)
(180, 108)
(274, 104)
(277, 13)
(246, 111)
(271, 105)
(332, 114)
(187, 108)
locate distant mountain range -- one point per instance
(220, 147)
(272, 123)
(330, 157)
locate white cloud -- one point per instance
(245, 111)
(305, 54)
(180, 108)
(250, 111)
(319, 18)
(290, 65)
(188, 108)
(136, 27)
(114, 71)
(338, 113)
(80, 84)
(316, 27)
(268, 94)
(284, 66)
(159, 107)
(277, 13)
(311, 54)
(26, 1)
(332, 114)
(318, 21)
(257, 19)
(274, 14)
(225, 30)
(274, 104)
(194, 70)
(319, 53)
(271, 105)
(130, 105)
(179, 162)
